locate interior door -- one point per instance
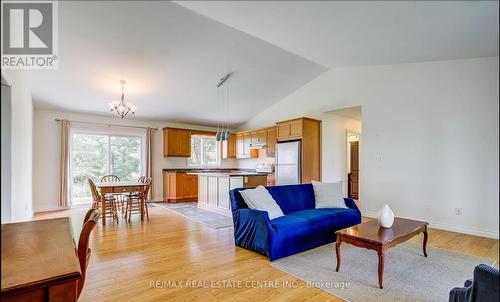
(353, 177)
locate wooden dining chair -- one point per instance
(119, 196)
(134, 202)
(84, 251)
(89, 214)
(110, 210)
(110, 178)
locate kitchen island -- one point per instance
(214, 187)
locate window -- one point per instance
(95, 155)
(204, 151)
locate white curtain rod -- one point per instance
(104, 124)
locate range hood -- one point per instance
(258, 145)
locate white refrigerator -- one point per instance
(288, 163)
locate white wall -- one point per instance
(21, 147)
(434, 127)
(6, 164)
(334, 147)
(251, 163)
(46, 153)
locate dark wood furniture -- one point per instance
(122, 188)
(353, 176)
(89, 223)
(371, 236)
(39, 262)
(179, 187)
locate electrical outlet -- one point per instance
(458, 211)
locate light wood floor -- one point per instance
(126, 257)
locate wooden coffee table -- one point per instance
(373, 237)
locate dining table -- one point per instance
(39, 261)
(120, 187)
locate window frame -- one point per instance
(203, 164)
(109, 132)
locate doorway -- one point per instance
(341, 128)
(352, 164)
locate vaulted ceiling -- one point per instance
(173, 54)
(171, 58)
(353, 33)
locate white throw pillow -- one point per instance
(260, 199)
(328, 195)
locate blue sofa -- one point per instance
(484, 286)
(303, 227)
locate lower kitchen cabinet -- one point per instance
(179, 187)
(213, 192)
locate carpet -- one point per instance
(408, 275)
(191, 211)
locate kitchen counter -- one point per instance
(217, 172)
(228, 174)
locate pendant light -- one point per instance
(223, 132)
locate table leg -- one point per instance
(337, 250)
(103, 209)
(380, 268)
(425, 241)
(142, 205)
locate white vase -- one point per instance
(385, 216)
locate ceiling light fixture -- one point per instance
(223, 132)
(121, 107)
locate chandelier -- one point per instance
(121, 107)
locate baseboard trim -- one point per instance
(448, 227)
(49, 209)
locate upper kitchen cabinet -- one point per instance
(258, 138)
(271, 141)
(176, 142)
(229, 147)
(290, 130)
(243, 146)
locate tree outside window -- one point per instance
(96, 155)
(204, 151)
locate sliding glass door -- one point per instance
(94, 155)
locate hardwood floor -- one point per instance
(127, 257)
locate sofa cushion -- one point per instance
(292, 198)
(260, 199)
(334, 218)
(328, 195)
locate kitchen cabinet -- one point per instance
(179, 187)
(213, 194)
(243, 143)
(254, 181)
(240, 146)
(229, 147)
(271, 141)
(223, 192)
(176, 142)
(290, 130)
(258, 137)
